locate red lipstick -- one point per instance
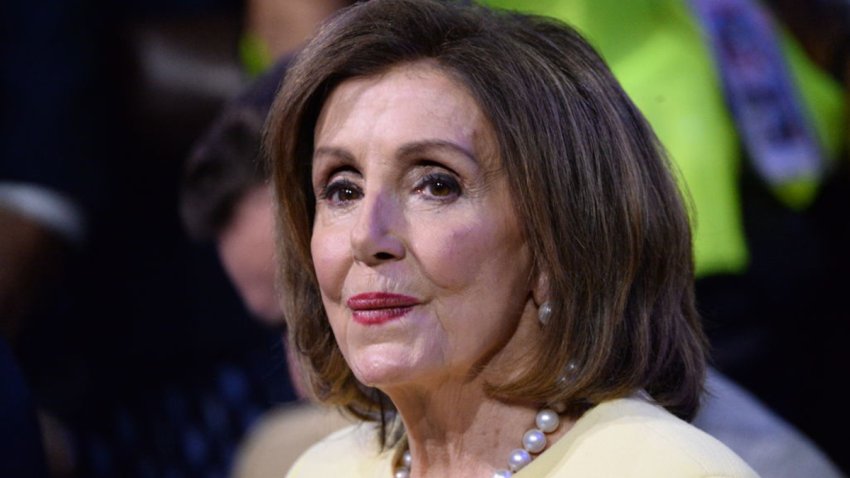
(374, 308)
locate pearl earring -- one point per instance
(544, 313)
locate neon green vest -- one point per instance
(656, 50)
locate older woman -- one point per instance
(484, 254)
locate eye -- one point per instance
(340, 192)
(439, 186)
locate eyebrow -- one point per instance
(409, 149)
(422, 147)
(336, 152)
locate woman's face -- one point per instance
(422, 265)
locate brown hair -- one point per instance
(600, 209)
(225, 163)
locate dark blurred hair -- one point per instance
(225, 163)
(599, 206)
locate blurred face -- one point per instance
(246, 248)
(422, 266)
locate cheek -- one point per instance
(331, 256)
(331, 261)
(453, 258)
(480, 262)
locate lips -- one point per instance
(375, 308)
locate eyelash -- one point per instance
(434, 179)
(333, 190)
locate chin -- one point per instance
(385, 365)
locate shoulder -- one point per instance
(635, 438)
(351, 451)
(654, 439)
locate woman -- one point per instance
(484, 254)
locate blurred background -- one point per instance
(129, 349)
(138, 354)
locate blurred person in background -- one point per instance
(130, 338)
(226, 199)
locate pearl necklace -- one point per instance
(533, 442)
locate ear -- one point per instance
(540, 289)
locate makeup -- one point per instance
(375, 308)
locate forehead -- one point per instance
(408, 103)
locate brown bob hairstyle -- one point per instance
(599, 207)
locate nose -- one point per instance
(375, 236)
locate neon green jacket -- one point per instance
(656, 50)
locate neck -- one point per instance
(458, 431)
